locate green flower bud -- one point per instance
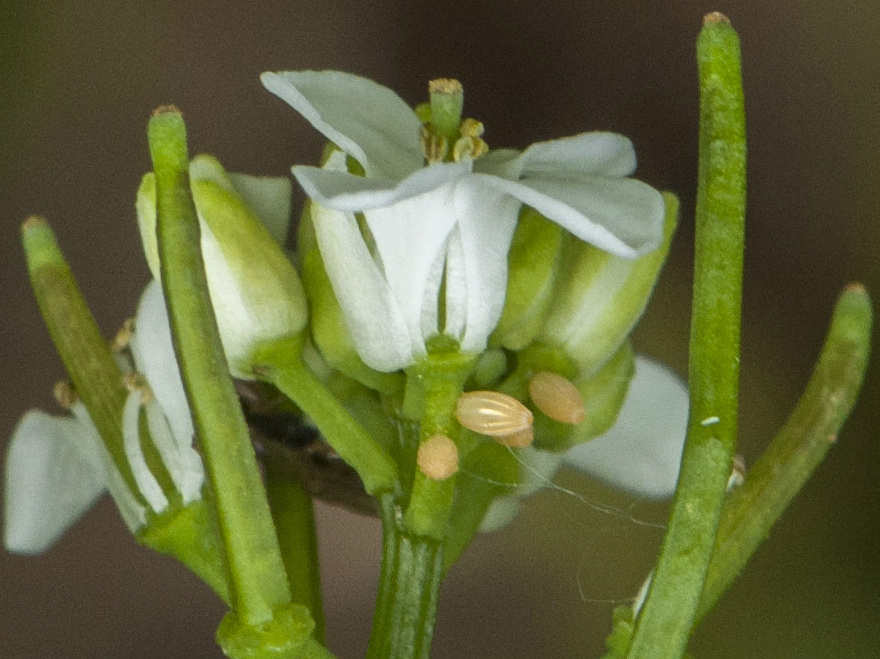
(255, 290)
(598, 297)
(603, 394)
(533, 263)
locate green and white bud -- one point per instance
(255, 290)
(599, 297)
(533, 263)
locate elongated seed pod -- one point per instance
(557, 397)
(438, 457)
(492, 413)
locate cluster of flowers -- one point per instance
(538, 263)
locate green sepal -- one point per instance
(623, 623)
(603, 394)
(599, 297)
(329, 331)
(191, 535)
(533, 264)
(288, 635)
(489, 471)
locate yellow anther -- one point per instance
(557, 397)
(137, 382)
(437, 457)
(472, 128)
(123, 336)
(492, 413)
(469, 148)
(65, 394)
(434, 147)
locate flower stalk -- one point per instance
(665, 622)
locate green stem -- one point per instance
(751, 510)
(406, 607)
(666, 620)
(281, 364)
(294, 517)
(256, 572)
(96, 377)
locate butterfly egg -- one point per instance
(518, 439)
(492, 413)
(557, 397)
(437, 457)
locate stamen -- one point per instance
(492, 413)
(65, 394)
(123, 336)
(437, 457)
(434, 147)
(137, 382)
(557, 397)
(471, 128)
(469, 148)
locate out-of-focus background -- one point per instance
(77, 83)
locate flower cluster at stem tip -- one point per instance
(417, 240)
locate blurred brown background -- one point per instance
(78, 81)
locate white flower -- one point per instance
(640, 454)
(448, 222)
(57, 467)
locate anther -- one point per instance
(137, 382)
(65, 394)
(437, 457)
(471, 128)
(469, 148)
(492, 413)
(434, 147)
(123, 336)
(557, 397)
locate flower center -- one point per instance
(443, 127)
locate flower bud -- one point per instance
(533, 262)
(599, 297)
(255, 290)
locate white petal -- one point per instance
(50, 481)
(598, 154)
(182, 462)
(372, 315)
(154, 358)
(642, 452)
(456, 288)
(144, 478)
(270, 198)
(411, 237)
(366, 120)
(486, 219)
(619, 215)
(133, 513)
(347, 192)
